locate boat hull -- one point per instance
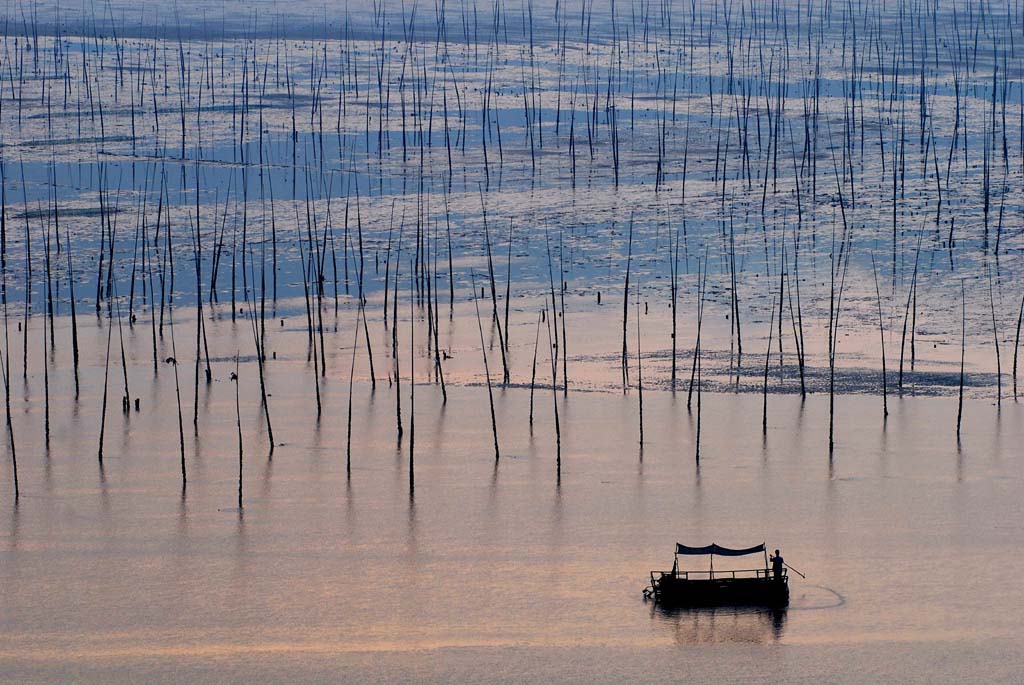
(766, 592)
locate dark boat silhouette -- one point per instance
(710, 588)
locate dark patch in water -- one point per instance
(67, 212)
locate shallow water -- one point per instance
(500, 570)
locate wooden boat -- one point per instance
(748, 587)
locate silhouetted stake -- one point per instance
(796, 320)
(46, 391)
(451, 271)
(625, 308)
(639, 371)
(995, 341)
(351, 375)
(835, 306)
(554, 304)
(310, 306)
(10, 424)
(387, 261)
(103, 406)
(435, 318)
(366, 329)
(74, 317)
(3, 235)
(28, 292)
(565, 335)
(238, 424)
(782, 286)
(533, 369)
(257, 338)
(494, 293)
(1016, 345)
(881, 337)
(487, 372)
(963, 353)
(697, 356)
(702, 277)
(554, 403)
(394, 343)
(177, 392)
(734, 296)
(412, 382)
(126, 398)
(913, 330)
(316, 374)
(906, 313)
(49, 278)
(767, 357)
(197, 255)
(103, 237)
(674, 275)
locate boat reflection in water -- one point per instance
(721, 625)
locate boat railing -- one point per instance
(680, 574)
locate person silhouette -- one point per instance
(777, 564)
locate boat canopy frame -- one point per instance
(719, 550)
(713, 549)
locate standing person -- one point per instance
(777, 564)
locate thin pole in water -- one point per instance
(963, 351)
(238, 423)
(487, 373)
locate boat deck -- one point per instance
(752, 587)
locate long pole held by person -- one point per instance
(795, 571)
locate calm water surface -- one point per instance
(502, 571)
